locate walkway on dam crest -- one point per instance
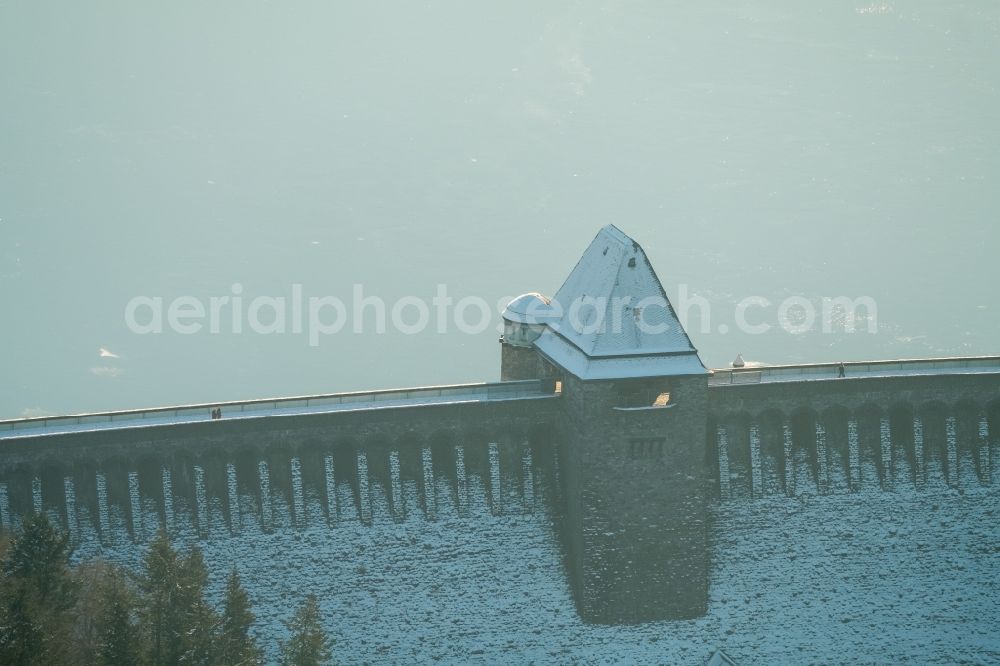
(466, 393)
(769, 374)
(251, 409)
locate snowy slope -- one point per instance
(862, 578)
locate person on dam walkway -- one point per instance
(841, 370)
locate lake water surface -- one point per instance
(763, 149)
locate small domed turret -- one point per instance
(524, 319)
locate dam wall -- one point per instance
(769, 432)
(282, 470)
(826, 434)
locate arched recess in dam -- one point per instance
(289, 483)
(843, 447)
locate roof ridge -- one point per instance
(613, 306)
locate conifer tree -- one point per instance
(159, 585)
(199, 622)
(39, 556)
(37, 593)
(236, 645)
(308, 645)
(92, 579)
(118, 636)
(21, 636)
(180, 625)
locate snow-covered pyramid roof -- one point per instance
(614, 318)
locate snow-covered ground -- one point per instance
(873, 577)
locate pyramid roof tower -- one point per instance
(612, 318)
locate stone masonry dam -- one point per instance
(772, 430)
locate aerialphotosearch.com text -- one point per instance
(318, 317)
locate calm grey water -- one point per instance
(763, 149)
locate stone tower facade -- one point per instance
(633, 459)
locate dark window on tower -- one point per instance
(646, 448)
